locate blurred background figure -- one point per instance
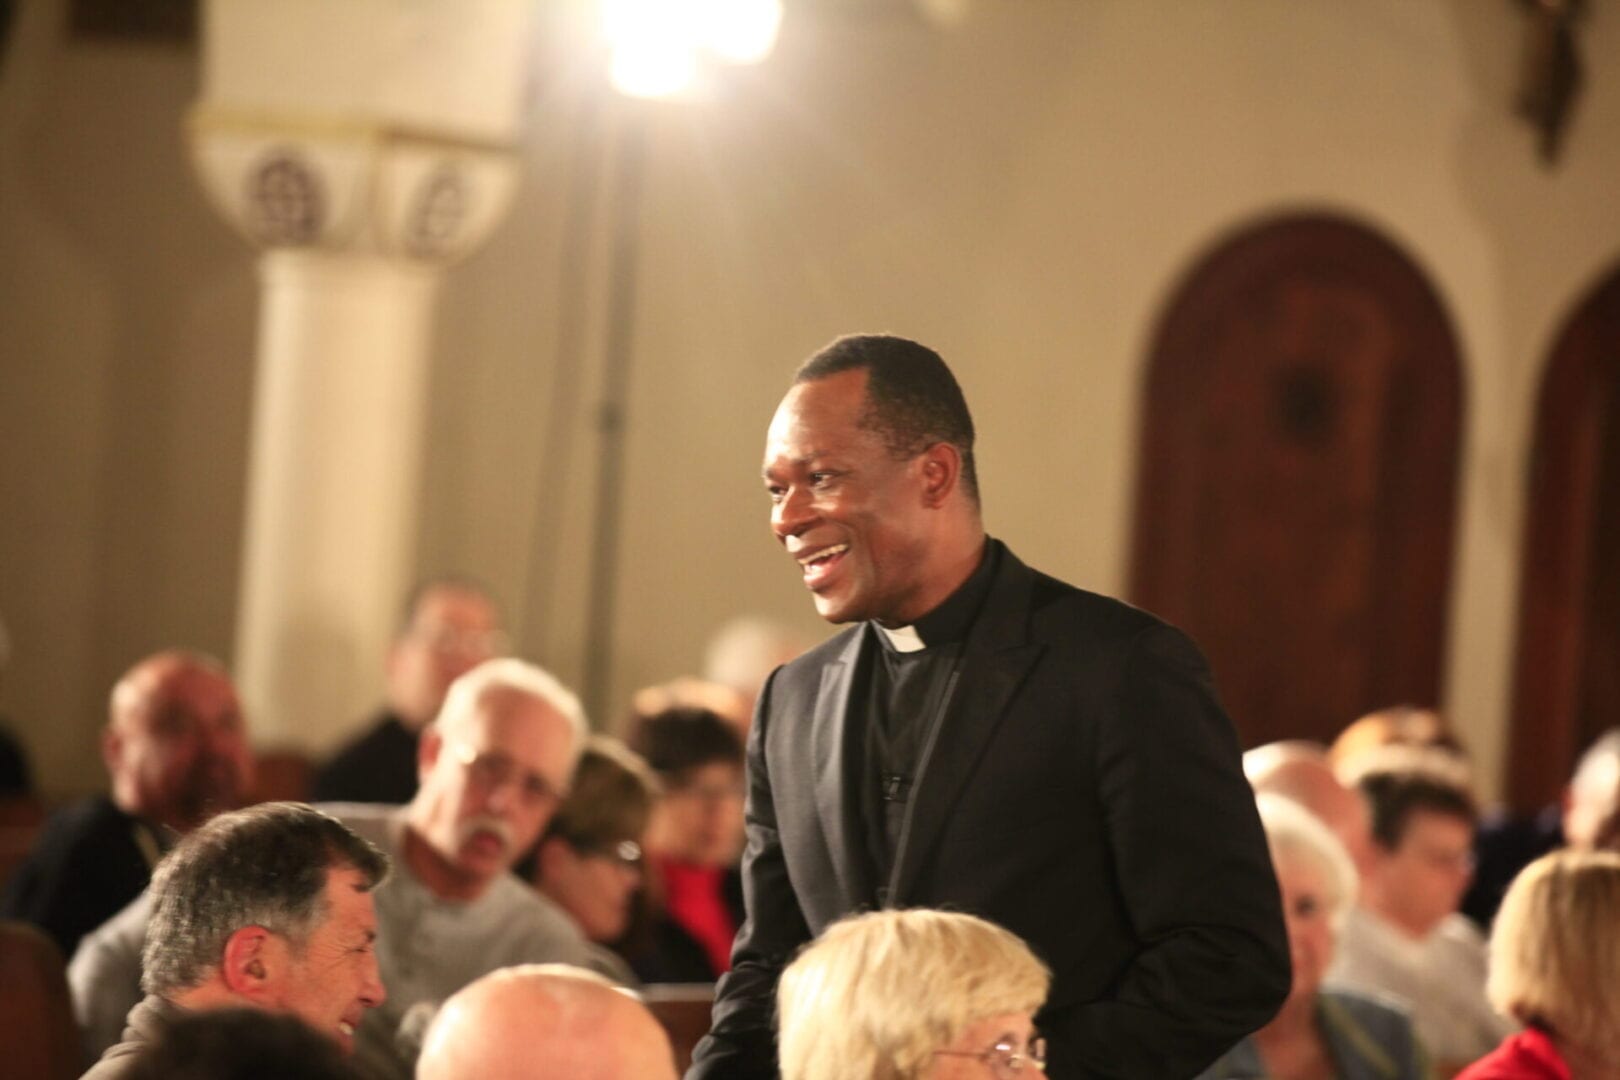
(1555, 967)
(176, 751)
(1397, 725)
(589, 860)
(744, 651)
(1406, 937)
(1588, 816)
(1300, 770)
(1319, 1032)
(240, 1044)
(450, 626)
(541, 1021)
(693, 843)
(912, 995)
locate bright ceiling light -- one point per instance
(741, 31)
(655, 42)
(652, 69)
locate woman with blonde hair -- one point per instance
(1555, 967)
(912, 995)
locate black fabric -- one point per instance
(1503, 846)
(16, 778)
(1084, 791)
(669, 954)
(85, 866)
(378, 767)
(905, 693)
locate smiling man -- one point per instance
(267, 908)
(987, 739)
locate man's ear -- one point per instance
(941, 473)
(112, 749)
(427, 751)
(251, 963)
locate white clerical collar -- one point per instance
(903, 638)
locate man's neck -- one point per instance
(950, 568)
(436, 873)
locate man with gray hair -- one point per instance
(493, 767)
(266, 908)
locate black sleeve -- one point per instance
(80, 873)
(741, 1044)
(1194, 876)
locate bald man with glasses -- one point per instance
(494, 766)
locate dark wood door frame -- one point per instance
(1567, 586)
(1296, 496)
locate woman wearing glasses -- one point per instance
(1319, 1034)
(912, 995)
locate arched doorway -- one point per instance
(1296, 493)
(1567, 682)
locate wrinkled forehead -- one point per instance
(514, 722)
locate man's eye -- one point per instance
(820, 477)
(775, 493)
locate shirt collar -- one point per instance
(952, 619)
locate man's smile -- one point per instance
(819, 564)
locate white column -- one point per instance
(364, 146)
(334, 473)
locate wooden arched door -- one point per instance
(1567, 682)
(1295, 500)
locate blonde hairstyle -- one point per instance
(1555, 949)
(1294, 833)
(878, 993)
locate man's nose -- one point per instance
(373, 993)
(792, 514)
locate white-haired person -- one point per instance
(912, 995)
(1555, 967)
(1319, 1033)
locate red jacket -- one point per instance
(1529, 1055)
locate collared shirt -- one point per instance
(909, 675)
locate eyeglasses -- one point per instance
(625, 853)
(1005, 1060)
(492, 770)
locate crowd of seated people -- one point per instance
(498, 917)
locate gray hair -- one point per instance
(1293, 832)
(264, 866)
(519, 676)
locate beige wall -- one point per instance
(1022, 194)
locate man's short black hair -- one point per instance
(676, 742)
(1395, 795)
(912, 399)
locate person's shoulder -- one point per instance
(1369, 1008)
(808, 665)
(1372, 1028)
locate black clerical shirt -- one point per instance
(909, 677)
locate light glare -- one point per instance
(655, 42)
(652, 69)
(741, 31)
